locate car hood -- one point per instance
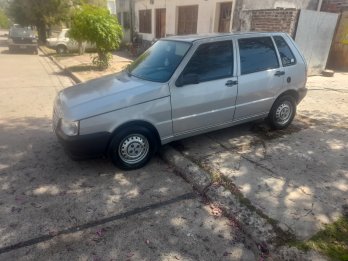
(107, 94)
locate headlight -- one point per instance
(70, 128)
(34, 40)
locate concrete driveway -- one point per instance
(52, 208)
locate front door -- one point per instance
(225, 17)
(260, 78)
(160, 23)
(208, 97)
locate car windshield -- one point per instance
(160, 61)
(21, 32)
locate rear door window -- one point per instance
(286, 55)
(257, 54)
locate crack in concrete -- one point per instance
(70, 230)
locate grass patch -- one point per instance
(332, 241)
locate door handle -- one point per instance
(279, 73)
(230, 83)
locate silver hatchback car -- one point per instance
(182, 86)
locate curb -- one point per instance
(261, 231)
(254, 225)
(72, 75)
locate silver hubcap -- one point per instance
(133, 149)
(283, 113)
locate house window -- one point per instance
(126, 20)
(145, 21)
(119, 18)
(187, 19)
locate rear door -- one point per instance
(292, 62)
(211, 100)
(260, 76)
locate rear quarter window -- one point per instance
(257, 54)
(286, 55)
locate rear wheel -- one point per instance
(61, 49)
(132, 147)
(283, 112)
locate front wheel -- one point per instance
(283, 112)
(132, 147)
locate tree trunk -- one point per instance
(103, 60)
(41, 29)
(81, 48)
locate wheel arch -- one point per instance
(293, 93)
(61, 45)
(133, 123)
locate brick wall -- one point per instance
(274, 20)
(334, 6)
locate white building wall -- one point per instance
(208, 15)
(112, 6)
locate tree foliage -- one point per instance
(96, 25)
(39, 13)
(4, 21)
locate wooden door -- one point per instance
(339, 50)
(225, 17)
(160, 23)
(187, 19)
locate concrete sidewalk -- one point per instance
(297, 177)
(81, 67)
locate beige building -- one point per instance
(160, 18)
(153, 19)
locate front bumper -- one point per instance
(23, 46)
(84, 146)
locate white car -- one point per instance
(63, 44)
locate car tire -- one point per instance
(61, 49)
(132, 147)
(282, 113)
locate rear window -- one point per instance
(257, 54)
(286, 55)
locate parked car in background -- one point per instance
(22, 39)
(182, 86)
(63, 44)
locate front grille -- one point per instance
(22, 40)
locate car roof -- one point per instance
(196, 37)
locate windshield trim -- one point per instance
(151, 80)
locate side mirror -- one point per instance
(185, 79)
